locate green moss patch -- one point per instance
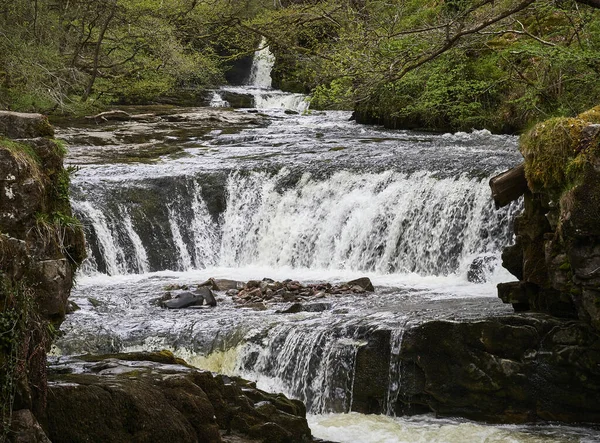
(558, 151)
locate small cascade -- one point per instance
(147, 227)
(105, 238)
(262, 65)
(259, 87)
(312, 362)
(217, 101)
(394, 373)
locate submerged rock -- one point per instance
(121, 400)
(189, 299)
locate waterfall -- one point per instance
(386, 222)
(259, 87)
(262, 65)
(313, 362)
(394, 371)
(217, 101)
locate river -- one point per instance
(278, 191)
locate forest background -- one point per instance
(427, 64)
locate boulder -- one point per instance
(188, 299)
(363, 282)
(19, 125)
(120, 399)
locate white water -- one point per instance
(262, 65)
(358, 428)
(384, 223)
(217, 101)
(260, 86)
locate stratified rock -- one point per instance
(507, 370)
(123, 400)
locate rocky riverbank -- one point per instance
(149, 397)
(41, 246)
(543, 364)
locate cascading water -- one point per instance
(259, 86)
(384, 222)
(262, 65)
(308, 197)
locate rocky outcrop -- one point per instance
(41, 245)
(156, 397)
(507, 370)
(556, 256)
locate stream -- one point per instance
(278, 191)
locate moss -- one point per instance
(591, 115)
(566, 266)
(548, 149)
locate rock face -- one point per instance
(556, 256)
(153, 397)
(509, 370)
(40, 247)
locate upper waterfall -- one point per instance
(262, 65)
(259, 89)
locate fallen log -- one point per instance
(118, 115)
(508, 186)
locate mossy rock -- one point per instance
(591, 115)
(549, 148)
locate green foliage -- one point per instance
(434, 65)
(16, 315)
(69, 56)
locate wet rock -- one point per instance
(506, 370)
(293, 309)
(363, 282)
(145, 401)
(371, 377)
(72, 307)
(208, 296)
(184, 300)
(480, 268)
(316, 307)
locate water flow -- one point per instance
(382, 222)
(387, 223)
(260, 86)
(394, 383)
(310, 361)
(262, 65)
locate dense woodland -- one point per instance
(429, 64)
